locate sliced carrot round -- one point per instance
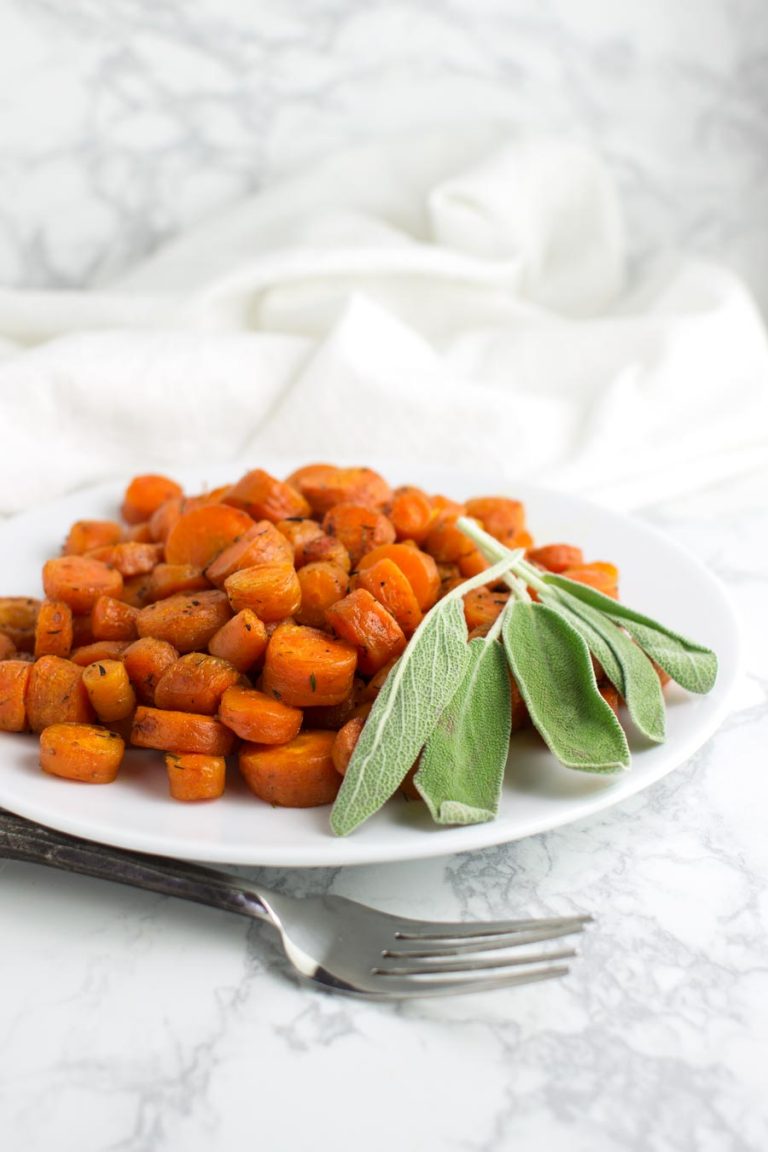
(419, 568)
(199, 536)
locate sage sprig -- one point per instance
(409, 705)
(461, 771)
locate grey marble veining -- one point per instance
(122, 124)
(137, 1023)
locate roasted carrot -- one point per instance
(187, 620)
(358, 528)
(79, 581)
(109, 690)
(447, 543)
(56, 694)
(310, 475)
(598, 574)
(14, 679)
(324, 488)
(390, 586)
(145, 662)
(7, 647)
(99, 650)
(411, 514)
(265, 498)
(326, 549)
(113, 620)
(261, 544)
(242, 640)
(163, 519)
(145, 494)
(482, 606)
(195, 683)
(256, 716)
(335, 716)
(557, 557)
(53, 631)
(132, 558)
(198, 536)
(139, 533)
(500, 516)
(192, 776)
(85, 535)
(361, 620)
(299, 774)
(345, 743)
(271, 590)
(305, 667)
(81, 752)
(169, 579)
(136, 591)
(321, 585)
(298, 533)
(18, 617)
(419, 568)
(180, 732)
(610, 695)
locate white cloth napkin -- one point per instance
(461, 300)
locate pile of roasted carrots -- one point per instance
(262, 618)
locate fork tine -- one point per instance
(431, 948)
(461, 929)
(412, 987)
(418, 967)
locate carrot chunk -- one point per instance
(56, 694)
(187, 620)
(198, 536)
(192, 776)
(419, 568)
(99, 650)
(358, 528)
(195, 683)
(109, 690)
(411, 513)
(557, 557)
(145, 494)
(346, 742)
(14, 678)
(298, 533)
(305, 667)
(598, 574)
(145, 662)
(390, 586)
(324, 488)
(7, 647)
(133, 558)
(85, 535)
(18, 616)
(256, 716)
(265, 498)
(261, 544)
(324, 549)
(363, 621)
(321, 585)
(271, 590)
(79, 581)
(500, 516)
(53, 631)
(180, 732)
(81, 752)
(170, 579)
(242, 640)
(113, 620)
(299, 774)
(482, 606)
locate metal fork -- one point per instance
(335, 942)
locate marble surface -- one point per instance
(143, 1024)
(122, 123)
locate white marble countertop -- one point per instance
(137, 1023)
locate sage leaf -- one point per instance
(637, 681)
(691, 665)
(551, 664)
(462, 766)
(408, 706)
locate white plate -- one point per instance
(657, 577)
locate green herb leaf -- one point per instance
(462, 767)
(637, 681)
(691, 665)
(551, 664)
(408, 706)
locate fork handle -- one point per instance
(22, 840)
